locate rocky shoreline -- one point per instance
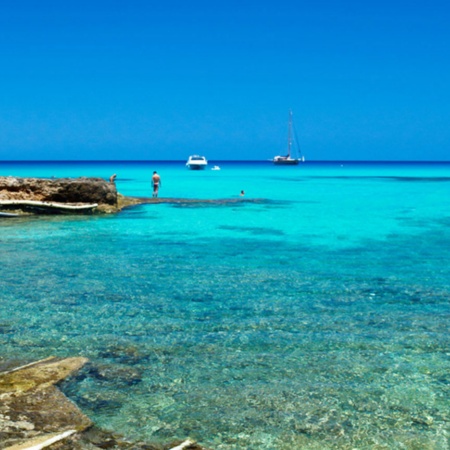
(82, 195)
(35, 414)
(40, 196)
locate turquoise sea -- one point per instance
(312, 313)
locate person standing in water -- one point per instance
(156, 183)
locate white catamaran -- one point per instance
(288, 160)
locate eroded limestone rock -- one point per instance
(32, 408)
(34, 414)
(70, 190)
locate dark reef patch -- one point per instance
(259, 231)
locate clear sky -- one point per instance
(162, 79)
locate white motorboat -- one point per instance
(196, 162)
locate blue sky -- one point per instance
(137, 79)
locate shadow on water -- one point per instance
(197, 203)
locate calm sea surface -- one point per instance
(313, 313)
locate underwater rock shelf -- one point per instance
(35, 414)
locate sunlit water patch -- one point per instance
(310, 325)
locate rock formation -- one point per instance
(71, 191)
(32, 409)
(35, 414)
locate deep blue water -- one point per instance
(313, 313)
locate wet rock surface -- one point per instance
(34, 413)
(32, 408)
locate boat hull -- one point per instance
(196, 166)
(286, 162)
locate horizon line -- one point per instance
(217, 160)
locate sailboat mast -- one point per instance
(290, 133)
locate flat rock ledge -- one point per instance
(31, 196)
(35, 414)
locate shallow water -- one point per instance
(311, 314)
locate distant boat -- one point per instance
(288, 160)
(215, 168)
(196, 162)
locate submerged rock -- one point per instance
(35, 414)
(33, 409)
